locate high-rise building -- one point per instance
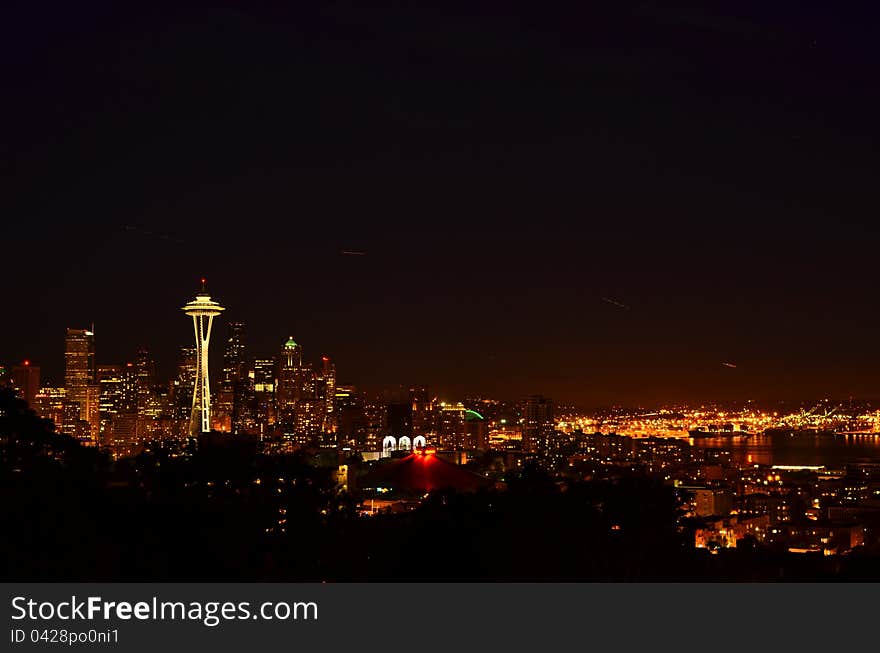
(375, 424)
(422, 409)
(129, 389)
(79, 358)
(185, 382)
(234, 360)
(26, 381)
(112, 398)
(291, 354)
(297, 385)
(202, 310)
(80, 380)
(451, 427)
(262, 377)
(124, 435)
(232, 414)
(308, 426)
(145, 375)
(328, 390)
(538, 425)
(351, 423)
(289, 362)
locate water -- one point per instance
(828, 450)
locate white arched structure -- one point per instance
(404, 443)
(389, 444)
(419, 442)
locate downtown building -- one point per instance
(538, 425)
(80, 383)
(26, 381)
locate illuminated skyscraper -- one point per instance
(451, 427)
(328, 390)
(79, 358)
(263, 379)
(233, 397)
(145, 371)
(112, 398)
(420, 402)
(351, 424)
(537, 425)
(291, 383)
(202, 310)
(291, 354)
(234, 354)
(80, 379)
(26, 381)
(185, 383)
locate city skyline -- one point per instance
(571, 203)
(51, 372)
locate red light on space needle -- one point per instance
(26, 363)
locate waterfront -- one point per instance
(830, 450)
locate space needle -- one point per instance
(203, 310)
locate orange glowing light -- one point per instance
(27, 363)
(430, 452)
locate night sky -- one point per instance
(602, 203)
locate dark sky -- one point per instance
(598, 202)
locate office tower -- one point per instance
(129, 389)
(420, 403)
(308, 425)
(79, 358)
(291, 354)
(124, 434)
(262, 376)
(26, 381)
(328, 390)
(202, 310)
(451, 426)
(286, 389)
(80, 380)
(538, 425)
(297, 394)
(234, 361)
(145, 375)
(375, 424)
(244, 414)
(187, 367)
(231, 390)
(111, 382)
(351, 423)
